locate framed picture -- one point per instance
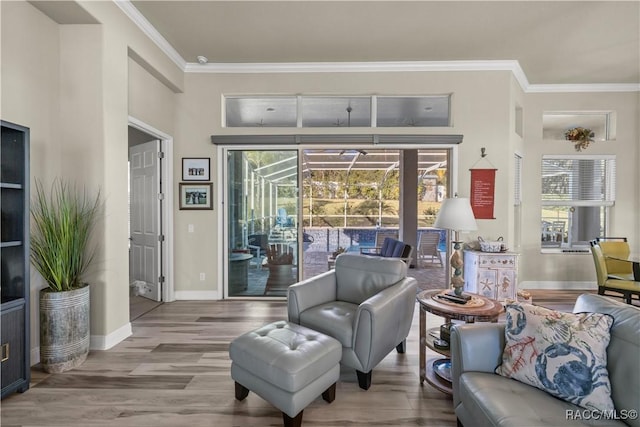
(196, 196)
(196, 169)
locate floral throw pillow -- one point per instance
(563, 354)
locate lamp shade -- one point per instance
(456, 214)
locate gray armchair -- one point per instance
(366, 303)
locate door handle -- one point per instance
(5, 352)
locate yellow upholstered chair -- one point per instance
(607, 284)
(618, 247)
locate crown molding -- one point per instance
(590, 87)
(357, 67)
(352, 67)
(361, 67)
(145, 26)
(408, 66)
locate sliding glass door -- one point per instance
(290, 212)
(262, 212)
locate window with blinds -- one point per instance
(517, 181)
(577, 192)
(517, 202)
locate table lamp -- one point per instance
(456, 215)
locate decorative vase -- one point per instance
(456, 261)
(64, 329)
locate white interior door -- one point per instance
(145, 272)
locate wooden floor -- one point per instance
(140, 305)
(174, 371)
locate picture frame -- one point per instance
(196, 196)
(196, 169)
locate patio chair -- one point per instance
(258, 245)
(381, 235)
(380, 238)
(283, 219)
(428, 247)
(391, 248)
(545, 231)
(557, 229)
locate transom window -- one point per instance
(338, 111)
(601, 123)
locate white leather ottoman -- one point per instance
(287, 365)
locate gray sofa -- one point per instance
(366, 303)
(483, 398)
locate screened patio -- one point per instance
(348, 196)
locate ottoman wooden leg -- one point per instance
(241, 391)
(329, 394)
(292, 422)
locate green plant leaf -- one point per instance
(63, 221)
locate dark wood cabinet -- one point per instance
(14, 258)
(12, 345)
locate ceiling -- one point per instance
(555, 42)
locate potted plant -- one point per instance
(337, 252)
(62, 222)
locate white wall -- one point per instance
(537, 268)
(150, 100)
(97, 92)
(481, 111)
(120, 39)
(30, 97)
(69, 84)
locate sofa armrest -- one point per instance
(475, 347)
(314, 291)
(383, 321)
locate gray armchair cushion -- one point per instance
(358, 278)
(333, 318)
(309, 293)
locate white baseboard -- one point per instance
(197, 295)
(105, 342)
(35, 356)
(555, 285)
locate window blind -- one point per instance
(517, 181)
(578, 180)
